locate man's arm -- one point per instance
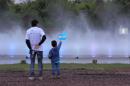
(43, 39)
(28, 44)
(27, 40)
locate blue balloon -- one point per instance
(63, 36)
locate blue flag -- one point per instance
(63, 36)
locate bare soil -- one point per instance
(79, 77)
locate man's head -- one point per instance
(54, 43)
(34, 22)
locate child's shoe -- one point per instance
(31, 78)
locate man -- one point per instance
(35, 37)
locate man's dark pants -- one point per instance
(33, 55)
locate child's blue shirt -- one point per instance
(54, 53)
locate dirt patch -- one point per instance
(68, 78)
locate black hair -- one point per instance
(34, 22)
(53, 43)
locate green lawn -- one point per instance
(25, 67)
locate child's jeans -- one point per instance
(55, 68)
(40, 65)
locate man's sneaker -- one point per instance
(31, 78)
(40, 78)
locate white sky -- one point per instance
(20, 1)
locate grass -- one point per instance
(25, 67)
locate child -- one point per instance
(55, 58)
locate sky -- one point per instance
(20, 1)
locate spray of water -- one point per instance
(83, 38)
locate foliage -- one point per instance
(24, 67)
(47, 11)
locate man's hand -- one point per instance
(36, 46)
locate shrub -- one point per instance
(23, 62)
(94, 61)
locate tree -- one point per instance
(4, 5)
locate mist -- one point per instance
(84, 39)
(12, 42)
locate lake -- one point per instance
(6, 59)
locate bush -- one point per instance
(23, 62)
(94, 61)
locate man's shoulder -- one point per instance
(34, 29)
(29, 29)
(39, 29)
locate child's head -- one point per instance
(54, 43)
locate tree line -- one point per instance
(47, 10)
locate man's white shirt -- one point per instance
(34, 34)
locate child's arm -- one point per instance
(59, 45)
(50, 54)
